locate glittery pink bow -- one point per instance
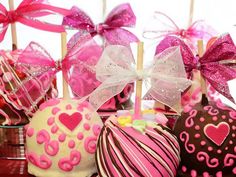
(112, 29)
(79, 59)
(211, 64)
(27, 13)
(162, 25)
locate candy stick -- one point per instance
(138, 96)
(13, 27)
(104, 8)
(191, 10)
(66, 94)
(203, 82)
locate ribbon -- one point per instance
(212, 64)
(162, 25)
(165, 79)
(112, 29)
(27, 13)
(37, 61)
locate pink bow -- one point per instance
(112, 29)
(162, 25)
(27, 13)
(79, 59)
(211, 64)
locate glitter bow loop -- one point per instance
(112, 29)
(36, 61)
(212, 65)
(162, 25)
(165, 79)
(27, 13)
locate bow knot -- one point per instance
(12, 16)
(182, 33)
(99, 28)
(58, 65)
(142, 74)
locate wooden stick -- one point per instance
(191, 10)
(13, 27)
(203, 82)
(66, 93)
(104, 8)
(139, 83)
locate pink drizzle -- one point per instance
(64, 164)
(232, 113)
(212, 163)
(42, 162)
(211, 110)
(184, 137)
(189, 121)
(67, 164)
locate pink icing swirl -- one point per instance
(212, 163)
(67, 164)
(232, 113)
(42, 136)
(229, 160)
(211, 110)
(42, 162)
(90, 144)
(184, 137)
(189, 121)
(52, 147)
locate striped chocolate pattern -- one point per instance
(124, 151)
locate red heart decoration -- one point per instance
(217, 133)
(70, 121)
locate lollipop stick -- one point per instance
(138, 96)
(13, 27)
(191, 10)
(203, 82)
(66, 93)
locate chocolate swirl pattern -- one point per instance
(124, 151)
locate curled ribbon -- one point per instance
(37, 61)
(165, 79)
(27, 13)
(212, 64)
(162, 25)
(112, 29)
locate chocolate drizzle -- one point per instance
(130, 155)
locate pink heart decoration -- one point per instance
(217, 133)
(70, 121)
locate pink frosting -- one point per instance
(55, 110)
(52, 147)
(71, 144)
(62, 137)
(51, 102)
(80, 136)
(189, 121)
(70, 121)
(42, 136)
(30, 132)
(96, 129)
(203, 156)
(90, 144)
(86, 126)
(51, 121)
(184, 137)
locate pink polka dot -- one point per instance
(210, 148)
(80, 136)
(214, 118)
(71, 144)
(68, 107)
(30, 132)
(62, 137)
(55, 110)
(230, 142)
(86, 126)
(226, 148)
(234, 127)
(184, 169)
(203, 143)
(96, 130)
(206, 174)
(219, 151)
(223, 116)
(202, 119)
(54, 129)
(197, 135)
(88, 117)
(230, 120)
(50, 121)
(234, 171)
(197, 127)
(233, 135)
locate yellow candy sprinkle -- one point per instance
(149, 111)
(124, 120)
